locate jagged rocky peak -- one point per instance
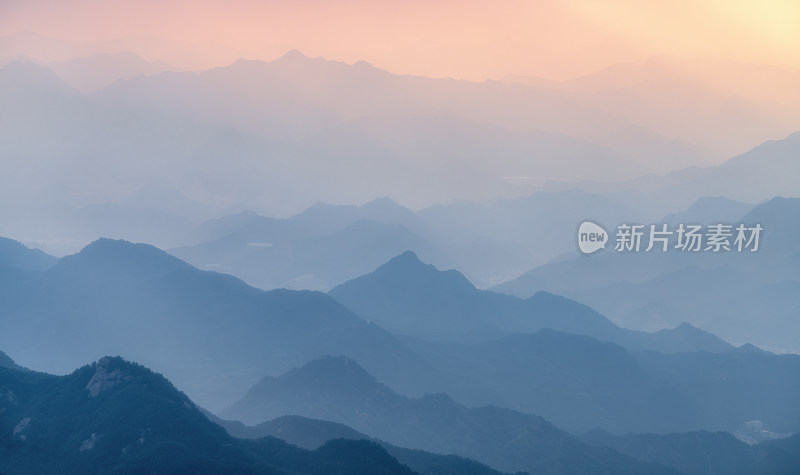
(108, 374)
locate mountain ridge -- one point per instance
(410, 297)
(341, 391)
(114, 416)
(143, 308)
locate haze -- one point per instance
(330, 221)
(473, 40)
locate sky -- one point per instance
(466, 39)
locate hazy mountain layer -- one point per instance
(119, 417)
(705, 453)
(338, 389)
(579, 383)
(313, 433)
(742, 297)
(210, 333)
(411, 298)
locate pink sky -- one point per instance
(465, 39)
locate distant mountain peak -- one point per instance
(411, 297)
(693, 337)
(26, 65)
(336, 367)
(109, 246)
(242, 63)
(112, 255)
(750, 348)
(296, 57)
(362, 64)
(33, 76)
(382, 201)
(322, 205)
(687, 328)
(109, 372)
(16, 254)
(408, 257)
(545, 296)
(408, 266)
(294, 53)
(779, 202)
(326, 374)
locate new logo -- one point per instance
(591, 237)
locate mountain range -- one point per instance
(488, 242)
(271, 122)
(701, 453)
(216, 337)
(210, 333)
(273, 119)
(91, 73)
(759, 174)
(680, 98)
(409, 297)
(338, 389)
(316, 249)
(659, 290)
(452, 326)
(313, 433)
(15, 254)
(114, 416)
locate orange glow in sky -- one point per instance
(466, 39)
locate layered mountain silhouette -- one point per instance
(97, 71)
(301, 431)
(658, 290)
(326, 245)
(725, 388)
(210, 333)
(15, 254)
(312, 433)
(579, 383)
(272, 130)
(409, 297)
(539, 226)
(360, 90)
(118, 417)
(666, 362)
(710, 209)
(273, 121)
(696, 453)
(573, 273)
(738, 178)
(317, 249)
(679, 97)
(216, 337)
(759, 174)
(338, 389)
(574, 381)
